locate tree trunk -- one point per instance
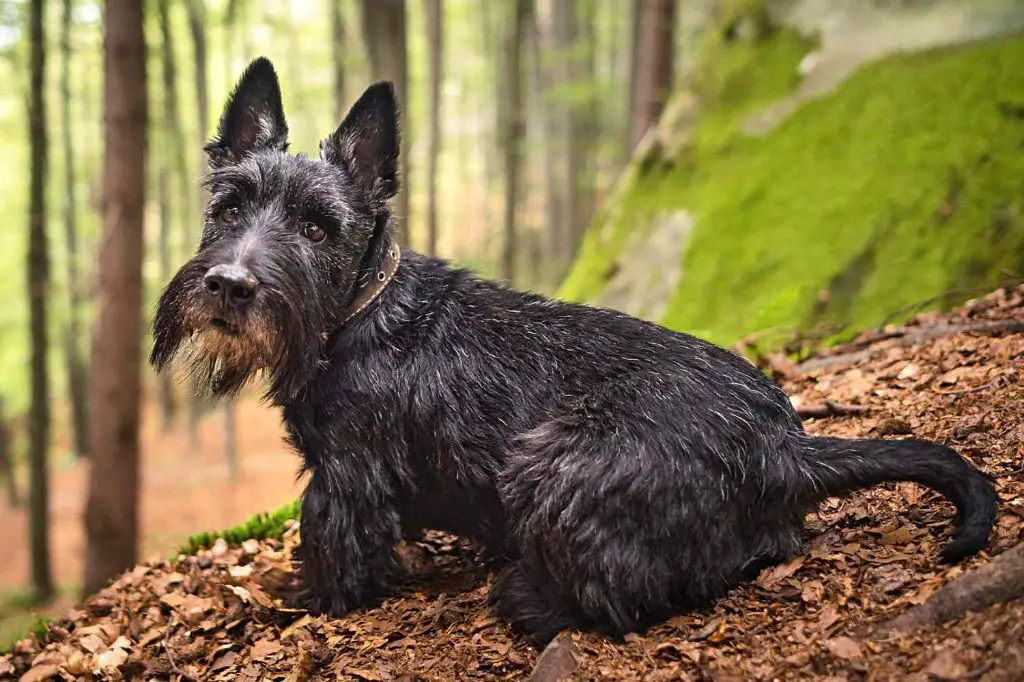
(197, 27)
(435, 38)
(653, 75)
(513, 133)
(7, 461)
(173, 147)
(384, 33)
(38, 285)
(338, 45)
(77, 381)
(631, 140)
(111, 517)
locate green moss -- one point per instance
(734, 78)
(906, 182)
(259, 527)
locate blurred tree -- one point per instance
(512, 136)
(384, 34)
(38, 287)
(78, 382)
(173, 147)
(338, 47)
(197, 27)
(7, 461)
(232, 19)
(111, 518)
(435, 41)
(652, 73)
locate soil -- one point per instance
(867, 558)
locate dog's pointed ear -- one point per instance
(366, 144)
(253, 118)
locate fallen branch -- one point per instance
(1000, 580)
(556, 662)
(829, 409)
(906, 337)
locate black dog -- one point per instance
(618, 472)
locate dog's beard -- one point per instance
(222, 361)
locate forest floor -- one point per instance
(867, 557)
(183, 491)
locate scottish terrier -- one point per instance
(615, 471)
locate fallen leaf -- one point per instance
(945, 666)
(40, 673)
(827, 618)
(223, 661)
(264, 649)
(843, 647)
(771, 577)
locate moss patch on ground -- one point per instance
(906, 182)
(259, 527)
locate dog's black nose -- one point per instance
(232, 285)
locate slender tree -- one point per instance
(652, 81)
(197, 27)
(338, 47)
(111, 517)
(513, 132)
(435, 41)
(172, 158)
(38, 286)
(77, 379)
(384, 33)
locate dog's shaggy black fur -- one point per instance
(616, 471)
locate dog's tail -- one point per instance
(834, 467)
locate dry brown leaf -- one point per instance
(40, 673)
(945, 666)
(844, 648)
(771, 577)
(264, 649)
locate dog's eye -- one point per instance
(313, 232)
(229, 215)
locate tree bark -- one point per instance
(338, 45)
(173, 148)
(635, 16)
(435, 39)
(77, 379)
(384, 33)
(653, 76)
(112, 508)
(513, 133)
(38, 286)
(197, 27)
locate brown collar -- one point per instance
(375, 286)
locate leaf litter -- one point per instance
(215, 615)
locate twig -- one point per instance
(1000, 580)
(829, 409)
(170, 657)
(972, 389)
(908, 337)
(916, 307)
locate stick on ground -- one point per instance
(1000, 580)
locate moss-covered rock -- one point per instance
(904, 181)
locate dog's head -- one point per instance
(287, 241)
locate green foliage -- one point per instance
(906, 182)
(259, 527)
(17, 629)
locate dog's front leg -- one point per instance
(349, 531)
